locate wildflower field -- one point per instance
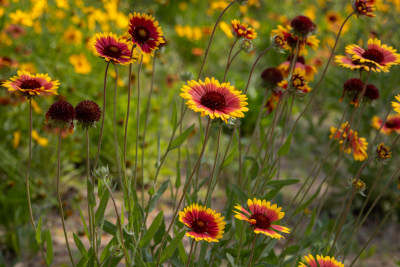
(199, 133)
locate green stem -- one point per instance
(103, 117)
(184, 191)
(59, 197)
(228, 63)
(115, 125)
(137, 125)
(214, 165)
(252, 250)
(190, 253)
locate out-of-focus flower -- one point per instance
(62, 4)
(226, 29)
(6, 62)
(371, 93)
(359, 186)
(349, 63)
(80, 63)
(214, 99)
(16, 139)
(392, 124)
(30, 85)
(87, 113)
(112, 48)
(352, 88)
(145, 32)
(383, 152)
(396, 105)
(190, 33)
(40, 140)
(72, 36)
(302, 26)
(377, 57)
(28, 66)
(242, 30)
(307, 71)
(279, 42)
(246, 45)
(21, 18)
(271, 77)
(261, 216)
(290, 39)
(203, 223)
(61, 114)
(36, 107)
(363, 8)
(351, 141)
(321, 261)
(334, 21)
(15, 31)
(272, 101)
(297, 83)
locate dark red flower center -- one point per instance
(213, 100)
(332, 18)
(30, 84)
(262, 221)
(199, 226)
(353, 85)
(303, 25)
(393, 123)
(141, 34)
(112, 51)
(374, 55)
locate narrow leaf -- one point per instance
(102, 208)
(148, 236)
(79, 244)
(39, 232)
(284, 149)
(178, 141)
(157, 196)
(174, 117)
(168, 251)
(49, 245)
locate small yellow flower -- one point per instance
(16, 139)
(396, 105)
(72, 36)
(80, 63)
(40, 140)
(21, 18)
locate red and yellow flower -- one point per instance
(112, 48)
(351, 141)
(396, 105)
(30, 85)
(290, 39)
(392, 124)
(363, 8)
(377, 57)
(214, 99)
(297, 82)
(243, 30)
(307, 71)
(320, 262)
(145, 32)
(349, 63)
(203, 223)
(261, 216)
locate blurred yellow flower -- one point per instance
(16, 139)
(40, 140)
(80, 63)
(192, 34)
(310, 12)
(226, 28)
(39, 7)
(62, 4)
(30, 67)
(21, 18)
(36, 107)
(182, 6)
(334, 21)
(72, 36)
(119, 82)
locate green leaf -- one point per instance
(284, 149)
(178, 141)
(99, 216)
(148, 236)
(39, 232)
(311, 223)
(307, 203)
(92, 199)
(174, 117)
(79, 245)
(182, 253)
(168, 251)
(157, 165)
(157, 196)
(49, 245)
(282, 183)
(83, 221)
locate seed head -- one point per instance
(87, 113)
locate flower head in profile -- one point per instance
(261, 216)
(392, 124)
(383, 152)
(351, 141)
(321, 261)
(279, 42)
(30, 85)
(112, 48)
(377, 56)
(396, 105)
(297, 83)
(363, 8)
(203, 223)
(214, 99)
(289, 38)
(352, 88)
(371, 93)
(87, 113)
(307, 71)
(348, 62)
(145, 32)
(302, 26)
(61, 114)
(242, 30)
